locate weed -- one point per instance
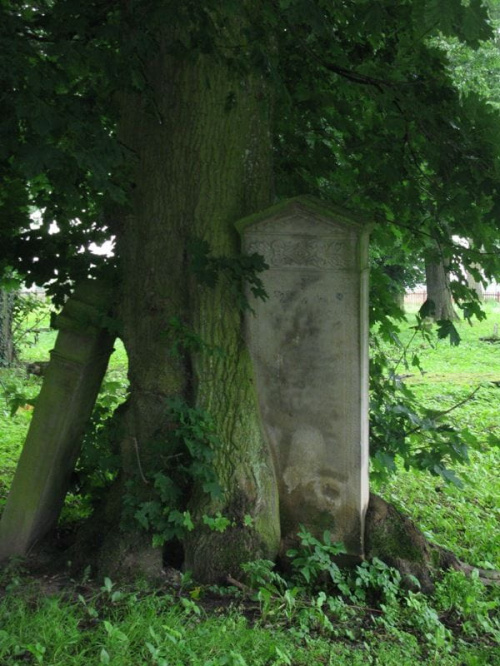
(163, 513)
(467, 600)
(314, 559)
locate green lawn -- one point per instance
(467, 519)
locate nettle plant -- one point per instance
(314, 565)
(319, 596)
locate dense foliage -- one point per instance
(367, 114)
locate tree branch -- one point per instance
(440, 415)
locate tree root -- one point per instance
(486, 576)
(393, 538)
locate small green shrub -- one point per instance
(99, 460)
(193, 442)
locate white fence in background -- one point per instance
(418, 297)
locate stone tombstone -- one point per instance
(70, 386)
(309, 346)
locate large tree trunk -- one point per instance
(438, 289)
(202, 144)
(473, 274)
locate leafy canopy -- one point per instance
(368, 114)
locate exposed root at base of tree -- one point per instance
(486, 576)
(389, 535)
(394, 538)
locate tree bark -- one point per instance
(394, 538)
(201, 140)
(472, 280)
(7, 351)
(397, 287)
(438, 289)
(476, 285)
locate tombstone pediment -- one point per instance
(315, 215)
(303, 233)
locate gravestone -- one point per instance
(70, 386)
(309, 346)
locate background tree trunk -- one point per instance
(472, 280)
(7, 351)
(398, 289)
(476, 286)
(438, 289)
(202, 150)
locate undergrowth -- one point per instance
(320, 614)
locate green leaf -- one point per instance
(104, 657)
(447, 329)
(449, 476)
(428, 309)
(493, 440)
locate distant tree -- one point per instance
(7, 352)
(439, 304)
(475, 285)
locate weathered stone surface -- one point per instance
(71, 383)
(309, 345)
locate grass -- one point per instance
(276, 624)
(465, 519)
(18, 391)
(96, 622)
(160, 630)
